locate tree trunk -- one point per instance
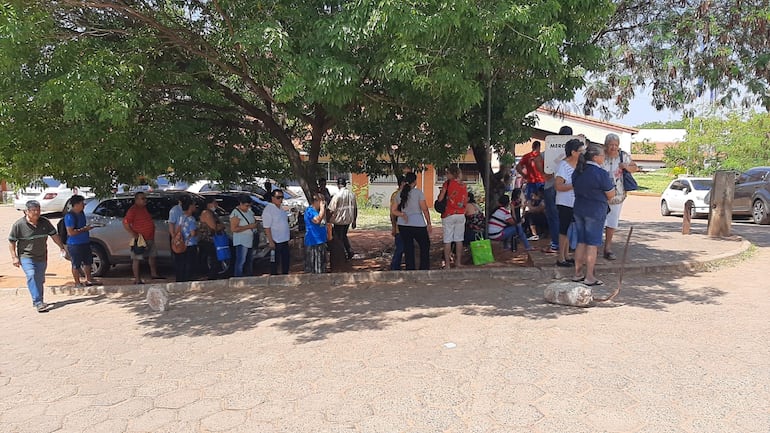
(721, 204)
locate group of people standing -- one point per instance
(586, 190)
(328, 219)
(411, 224)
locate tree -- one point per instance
(683, 50)
(99, 91)
(737, 142)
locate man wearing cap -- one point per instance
(29, 250)
(344, 213)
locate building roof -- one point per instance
(579, 118)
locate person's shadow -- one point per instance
(62, 304)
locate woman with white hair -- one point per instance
(615, 162)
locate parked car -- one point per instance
(110, 241)
(752, 194)
(685, 190)
(229, 200)
(51, 193)
(160, 183)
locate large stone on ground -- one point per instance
(569, 293)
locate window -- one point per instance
(702, 184)
(114, 208)
(391, 178)
(160, 207)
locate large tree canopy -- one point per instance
(97, 91)
(683, 50)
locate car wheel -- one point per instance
(101, 264)
(759, 212)
(664, 208)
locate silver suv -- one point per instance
(109, 240)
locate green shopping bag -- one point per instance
(481, 251)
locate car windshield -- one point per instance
(702, 184)
(46, 182)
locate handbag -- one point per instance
(481, 252)
(178, 245)
(222, 246)
(440, 205)
(138, 245)
(629, 183)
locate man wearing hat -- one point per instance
(29, 250)
(344, 213)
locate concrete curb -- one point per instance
(541, 274)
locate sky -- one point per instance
(641, 111)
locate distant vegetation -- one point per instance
(672, 124)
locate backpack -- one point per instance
(61, 228)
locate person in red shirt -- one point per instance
(138, 221)
(453, 218)
(529, 169)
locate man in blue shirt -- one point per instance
(79, 241)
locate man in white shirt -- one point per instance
(276, 224)
(344, 213)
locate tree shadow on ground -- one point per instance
(316, 313)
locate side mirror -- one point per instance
(686, 190)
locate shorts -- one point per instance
(150, 251)
(590, 231)
(613, 217)
(453, 227)
(565, 218)
(80, 254)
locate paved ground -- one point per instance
(676, 352)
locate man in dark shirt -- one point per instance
(28, 245)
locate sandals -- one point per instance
(609, 255)
(138, 282)
(578, 279)
(595, 283)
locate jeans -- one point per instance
(282, 256)
(552, 215)
(398, 254)
(244, 261)
(35, 272)
(410, 235)
(510, 232)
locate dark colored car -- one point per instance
(752, 194)
(229, 200)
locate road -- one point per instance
(675, 353)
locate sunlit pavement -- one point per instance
(675, 352)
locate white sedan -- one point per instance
(51, 194)
(686, 190)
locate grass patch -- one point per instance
(371, 218)
(653, 182)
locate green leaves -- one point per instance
(236, 87)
